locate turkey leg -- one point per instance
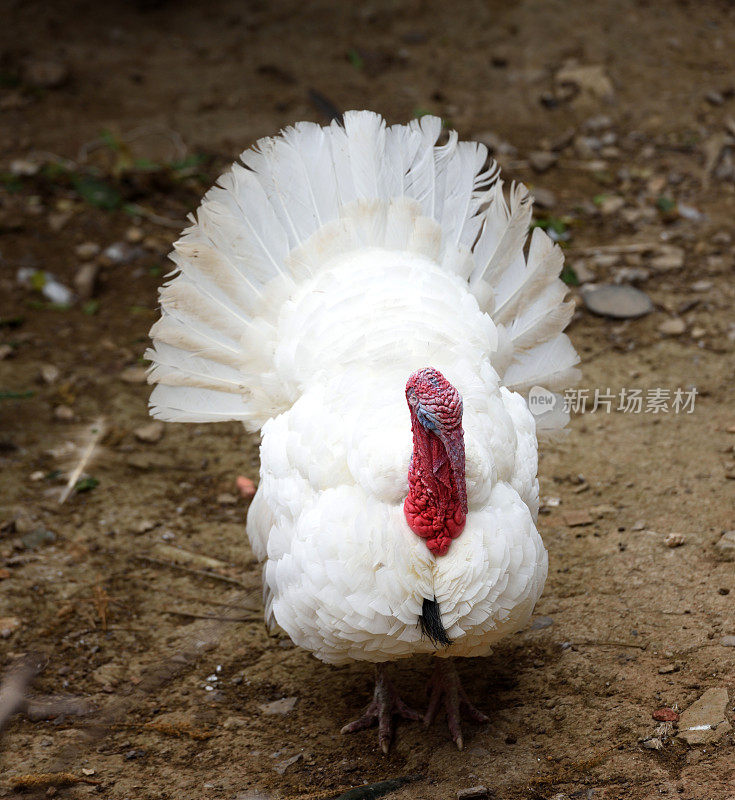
(445, 686)
(384, 706)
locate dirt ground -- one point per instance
(115, 119)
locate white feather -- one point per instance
(317, 275)
(550, 364)
(544, 264)
(421, 178)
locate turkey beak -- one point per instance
(453, 441)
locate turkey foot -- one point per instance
(445, 686)
(384, 706)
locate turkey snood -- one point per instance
(436, 506)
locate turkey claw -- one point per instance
(385, 705)
(445, 688)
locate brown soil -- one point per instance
(636, 625)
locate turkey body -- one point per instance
(334, 276)
(345, 576)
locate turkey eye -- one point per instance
(426, 419)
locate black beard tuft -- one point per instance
(431, 624)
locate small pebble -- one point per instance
(282, 766)
(85, 280)
(283, 706)
(49, 373)
(725, 547)
(47, 283)
(665, 715)
(674, 540)
(586, 146)
(245, 486)
(473, 793)
(23, 523)
(671, 258)
(576, 518)
(119, 253)
(63, 413)
(150, 433)
(134, 375)
(617, 302)
(612, 204)
(544, 198)
(653, 743)
(583, 272)
(234, 722)
(87, 250)
(598, 123)
(57, 220)
(728, 641)
(690, 213)
(23, 168)
(146, 461)
(605, 260)
(631, 275)
(8, 626)
(542, 160)
(37, 537)
(674, 326)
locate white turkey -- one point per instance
(361, 296)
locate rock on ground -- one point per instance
(725, 548)
(150, 433)
(617, 302)
(705, 721)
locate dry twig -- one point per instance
(101, 601)
(37, 780)
(203, 572)
(88, 450)
(213, 616)
(179, 729)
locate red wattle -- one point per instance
(433, 508)
(438, 526)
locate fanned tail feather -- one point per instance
(550, 364)
(525, 296)
(300, 198)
